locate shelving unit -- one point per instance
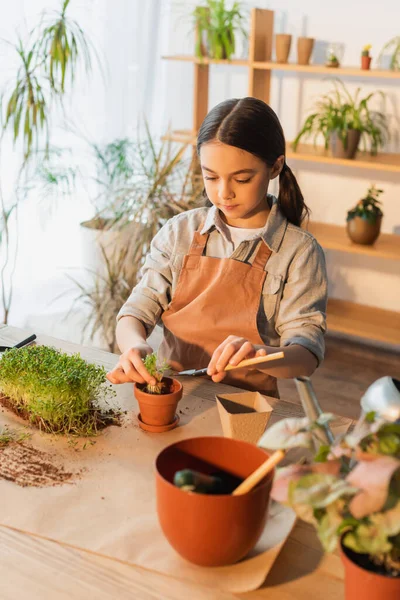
(344, 317)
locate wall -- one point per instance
(329, 191)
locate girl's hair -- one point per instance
(252, 125)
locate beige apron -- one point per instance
(215, 298)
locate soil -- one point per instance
(29, 467)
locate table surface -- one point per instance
(33, 568)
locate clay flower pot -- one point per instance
(158, 411)
(304, 50)
(212, 530)
(365, 62)
(360, 581)
(283, 42)
(361, 231)
(244, 416)
(337, 147)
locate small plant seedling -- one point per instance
(157, 371)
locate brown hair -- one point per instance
(252, 125)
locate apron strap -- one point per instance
(198, 244)
(262, 256)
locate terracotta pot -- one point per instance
(158, 410)
(283, 42)
(244, 416)
(337, 147)
(362, 231)
(362, 583)
(212, 530)
(366, 62)
(304, 50)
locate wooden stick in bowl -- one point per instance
(248, 362)
(252, 480)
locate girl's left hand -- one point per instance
(232, 350)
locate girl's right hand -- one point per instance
(130, 367)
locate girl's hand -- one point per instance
(233, 350)
(130, 367)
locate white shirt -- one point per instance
(240, 234)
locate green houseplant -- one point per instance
(142, 184)
(364, 220)
(344, 120)
(55, 391)
(158, 402)
(350, 493)
(392, 46)
(216, 28)
(48, 61)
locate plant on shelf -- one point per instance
(157, 371)
(55, 391)
(216, 28)
(364, 220)
(350, 492)
(343, 121)
(392, 46)
(366, 57)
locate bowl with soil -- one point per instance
(158, 403)
(198, 514)
(55, 391)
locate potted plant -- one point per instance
(392, 46)
(332, 56)
(55, 391)
(343, 121)
(365, 57)
(364, 220)
(350, 492)
(216, 28)
(158, 402)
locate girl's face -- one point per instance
(237, 182)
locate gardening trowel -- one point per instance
(244, 363)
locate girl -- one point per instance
(236, 279)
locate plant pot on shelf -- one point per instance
(205, 529)
(362, 579)
(158, 411)
(365, 62)
(244, 416)
(283, 42)
(348, 150)
(304, 50)
(362, 231)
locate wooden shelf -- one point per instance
(273, 66)
(207, 61)
(323, 70)
(334, 237)
(383, 161)
(363, 321)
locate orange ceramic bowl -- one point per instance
(211, 530)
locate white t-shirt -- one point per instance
(239, 234)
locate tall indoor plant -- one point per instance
(216, 28)
(156, 182)
(344, 120)
(48, 61)
(350, 493)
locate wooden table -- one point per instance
(32, 568)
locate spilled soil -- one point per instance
(29, 467)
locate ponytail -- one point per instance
(290, 198)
